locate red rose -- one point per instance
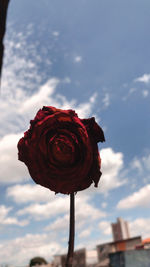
(60, 150)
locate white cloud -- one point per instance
(4, 212)
(78, 59)
(24, 90)
(28, 247)
(145, 93)
(8, 220)
(146, 162)
(90, 212)
(55, 205)
(11, 169)
(24, 107)
(59, 225)
(84, 110)
(20, 78)
(66, 80)
(145, 78)
(136, 164)
(46, 96)
(132, 90)
(139, 198)
(112, 165)
(104, 205)
(106, 100)
(141, 164)
(140, 167)
(14, 221)
(20, 61)
(40, 98)
(93, 98)
(85, 233)
(140, 226)
(105, 227)
(56, 33)
(43, 211)
(29, 193)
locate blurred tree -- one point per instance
(3, 15)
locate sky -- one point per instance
(91, 56)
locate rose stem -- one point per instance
(69, 260)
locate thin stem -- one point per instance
(69, 261)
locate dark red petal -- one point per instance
(94, 129)
(22, 149)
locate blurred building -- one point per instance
(132, 258)
(79, 259)
(120, 230)
(82, 258)
(91, 258)
(104, 250)
(122, 252)
(146, 243)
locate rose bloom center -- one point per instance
(63, 150)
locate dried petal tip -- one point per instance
(94, 129)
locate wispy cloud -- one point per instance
(56, 33)
(105, 227)
(85, 233)
(59, 224)
(38, 211)
(27, 193)
(145, 78)
(140, 226)
(78, 59)
(140, 198)
(145, 93)
(141, 164)
(106, 100)
(5, 219)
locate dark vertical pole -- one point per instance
(69, 261)
(3, 15)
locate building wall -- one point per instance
(133, 242)
(124, 228)
(120, 230)
(116, 232)
(117, 259)
(104, 250)
(137, 258)
(128, 244)
(127, 229)
(91, 257)
(132, 258)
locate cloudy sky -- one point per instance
(91, 56)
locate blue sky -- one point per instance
(91, 56)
